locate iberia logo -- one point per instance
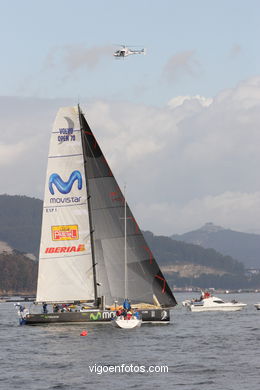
(65, 232)
(65, 249)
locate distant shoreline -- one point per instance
(217, 291)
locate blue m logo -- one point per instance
(64, 186)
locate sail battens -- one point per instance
(61, 131)
(62, 257)
(65, 205)
(67, 155)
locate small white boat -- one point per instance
(207, 302)
(130, 323)
(257, 306)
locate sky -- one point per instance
(180, 125)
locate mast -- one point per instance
(125, 246)
(89, 211)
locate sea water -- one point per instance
(200, 351)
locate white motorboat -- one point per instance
(257, 306)
(207, 302)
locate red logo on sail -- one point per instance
(66, 249)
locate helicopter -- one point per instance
(126, 51)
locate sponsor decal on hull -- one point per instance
(95, 317)
(106, 315)
(65, 232)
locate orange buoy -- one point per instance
(84, 333)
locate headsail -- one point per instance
(145, 281)
(65, 263)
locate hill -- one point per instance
(18, 273)
(20, 222)
(191, 265)
(244, 247)
(184, 264)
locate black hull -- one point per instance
(156, 316)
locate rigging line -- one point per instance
(63, 257)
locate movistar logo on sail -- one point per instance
(64, 187)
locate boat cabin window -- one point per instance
(218, 301)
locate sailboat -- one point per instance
(81, 273)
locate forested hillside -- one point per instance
(189, 265)
(20, 222)
(169, 251)
(18, 274)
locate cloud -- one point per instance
(234, 210)
(183, 63)
(130, 133)
(11, 153)
(75, 57)
(185, 164)
(25, 130)
(179, 100)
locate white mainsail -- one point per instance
(65, 260)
